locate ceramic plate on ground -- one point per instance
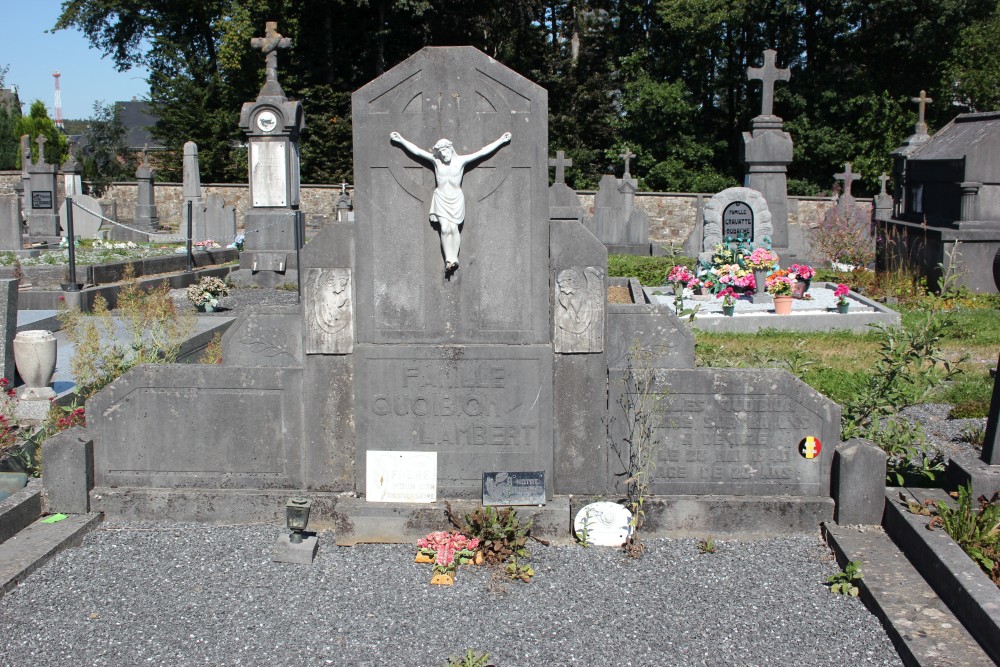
(603, 524)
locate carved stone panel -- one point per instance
(579, 309)
(329, 311)
(266, 336)
(482, 409)
(269, 174)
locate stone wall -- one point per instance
(672, 215)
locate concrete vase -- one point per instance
(35, 357)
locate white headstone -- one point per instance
(267, 161)
(603, 524)
(86, 216)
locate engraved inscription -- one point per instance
(737, 221)
(579, 310)
(269, 181)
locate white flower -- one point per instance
(687, 293)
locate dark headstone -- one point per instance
(514, 488)
(737, 221)
(41, 199)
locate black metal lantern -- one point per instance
(297, 517)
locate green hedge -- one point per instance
(649, 270)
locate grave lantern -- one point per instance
(297, 517)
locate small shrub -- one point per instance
(502, 539)
(213, 351)
(707, 545)
(976, 530)
(846, 239)
(974, 434)
(287, 286)
(846, 582)
(470, 659)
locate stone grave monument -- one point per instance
(11, 230)
(846, 201)
(87, 214)
(949, 211)
(274, 226)
(40, 192)
(731, 214)
(146, 217)
(191, 176)
(901, 196)
(616, 222)
(401, 381)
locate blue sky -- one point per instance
(34, 54)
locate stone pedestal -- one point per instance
(859, 483)
(69, 471)
(303, 553)
(767, 154)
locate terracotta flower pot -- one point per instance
(782, 304)
(443, 579)
(423, 558)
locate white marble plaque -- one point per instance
(401, 477)
(603, 524)
(268, 173)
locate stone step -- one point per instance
(955, 577)
(918, 622)
(19, 510)
(37, 544)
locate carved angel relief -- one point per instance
(579, 310)
(329, 311)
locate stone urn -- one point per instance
(35, 357)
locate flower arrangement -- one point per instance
(207, 244)
(802, 271)
(207, 291)
(761, 259)
(447, 550)
(841, 293)
(728, 296)
(780, 283)
(680, 274)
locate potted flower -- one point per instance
(803, 274)
(779, 286)
(447, 550)
(761, 261)
(728, 296)
(841, 293)
(205, 293)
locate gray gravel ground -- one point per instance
(157, 594)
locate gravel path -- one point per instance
(156, 594)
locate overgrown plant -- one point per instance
(470, 659)
(845, 240)
(707, 545)
(503, 539)
(154, 332)
(846, 582)
(633, 438)
(976, 530)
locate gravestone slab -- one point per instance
(737, 221)
(579, 309)
(738, 432)
(514, 488)
(481, 408)
(198, 443)
(651, 331)
(8, 320)
(265, 336)
(500, 293)
(11, 234)
(86, 216)
(329, 311)
(217, 221)
(718, 204)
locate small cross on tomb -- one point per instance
(883, 179)
(41, 148)
(848, 177)
(343, 188)
(922, 103)
(767, 75)
(560, 162)
(145, 155)
(269, 45)
(627, 156)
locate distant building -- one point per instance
(138, 118)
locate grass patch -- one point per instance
(650, 271)
(969, 394)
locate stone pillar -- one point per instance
(192, 192)
(767, 154)
(859, 483)
(72, 177)
(69, 471)
(970, 194)
(991, 443)
(145, 202)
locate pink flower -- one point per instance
(841, 291)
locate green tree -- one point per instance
(9, 115)
(37, 122)
(107, 155)
(972, 72)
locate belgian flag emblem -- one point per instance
(810, 447)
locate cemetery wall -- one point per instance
(672, 215)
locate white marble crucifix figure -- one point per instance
(448, 201)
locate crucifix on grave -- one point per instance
(883, 179)
(848, 177)
(627, 155)
(922, 103)
(767, 75)
(41, 148)
(269, 45)
(560, 162)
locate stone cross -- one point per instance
(560, 162)
(922, 103)
(883, 179)
(343, 188)
(145, 151)
(41, 148)
(848, 177)
(269, 45)
(627, 155)
(767, 75)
